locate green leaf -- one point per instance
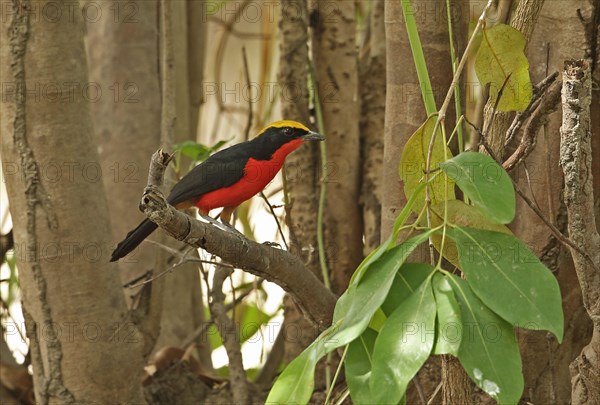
(448, 321)
(501, 58)
(351, 316)
(460, 214)
(414, 161)
(196, 151)
(407, 280)
(485, 183)
(358, 366)
(403, 346)
(250, 318)
(296, 383)
(488, 352)
(509, 279)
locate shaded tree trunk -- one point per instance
(75, 314)
(336, 70)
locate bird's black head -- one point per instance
(286, 135)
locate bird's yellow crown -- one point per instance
(282, 124)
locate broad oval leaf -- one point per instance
(414, 160)
(351, 316)
(509, 279)
(485, 183)
(407, 281)
(358, 365)
(459, 214)
(501, 59)
(488, 352)
(448, 321)
(403, 346)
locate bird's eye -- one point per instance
(287, 131)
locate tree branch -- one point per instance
(275, 265)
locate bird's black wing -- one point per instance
(223, 169)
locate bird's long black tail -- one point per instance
(133, 239)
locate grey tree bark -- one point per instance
(76, 317)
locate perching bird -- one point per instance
(229, 177)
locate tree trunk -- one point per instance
(372, 95)
(336, 69)
(75, 314)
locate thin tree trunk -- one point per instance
(301, 167)
(336, 69)
(75, 314)
(372, 95)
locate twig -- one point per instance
(264, 197)
(547, 105)
(230, 336)
(539, 91)
(275, 265)
(199, 331)
(249, 85)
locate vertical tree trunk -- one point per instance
(73, 305)
(336, 65)
(372, 95)
(301, 167)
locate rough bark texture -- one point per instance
(301, 167)
(576, 162)
(545, 362)
(336, 69)
(372, 95)
(73, 306)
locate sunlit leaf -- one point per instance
(414, 161)
(501, 59)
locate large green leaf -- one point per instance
(488, 352)
(407, 280)
(403, 346)
(485, 183)
(414, 161)
(509, 279)
(352, 315)
(460, 214)
(358, 365)
(448, 321)
(501, 59)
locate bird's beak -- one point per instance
(313, 136)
